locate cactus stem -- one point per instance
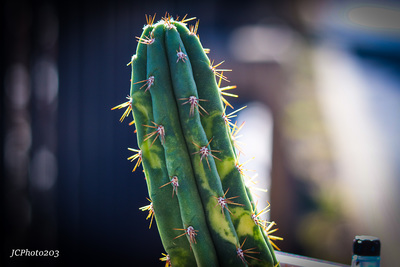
(180, 55)
(178, 103)
(223, 202)
(194, 103)
(175, 184)
(272, 237)
(167, 21)
(190, 232)
(137, 156)
(167, 260)
(149, 82)
(151, 211)
(244, 253)
(205, 152)
(159, 131)
(127, 105)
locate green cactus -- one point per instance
(202, 208)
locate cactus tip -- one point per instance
(193, 29)
(150, 19)
(168, 21)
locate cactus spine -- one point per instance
(201, 206)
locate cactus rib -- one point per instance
(154, 166)
(208, 182)
(214, 125)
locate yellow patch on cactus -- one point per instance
(246, 223)
(224, 168)
(219, 222)
(208, 127)
(154, 161)
(143, 109)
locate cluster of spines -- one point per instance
(204, 151)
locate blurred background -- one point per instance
(322, 87)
